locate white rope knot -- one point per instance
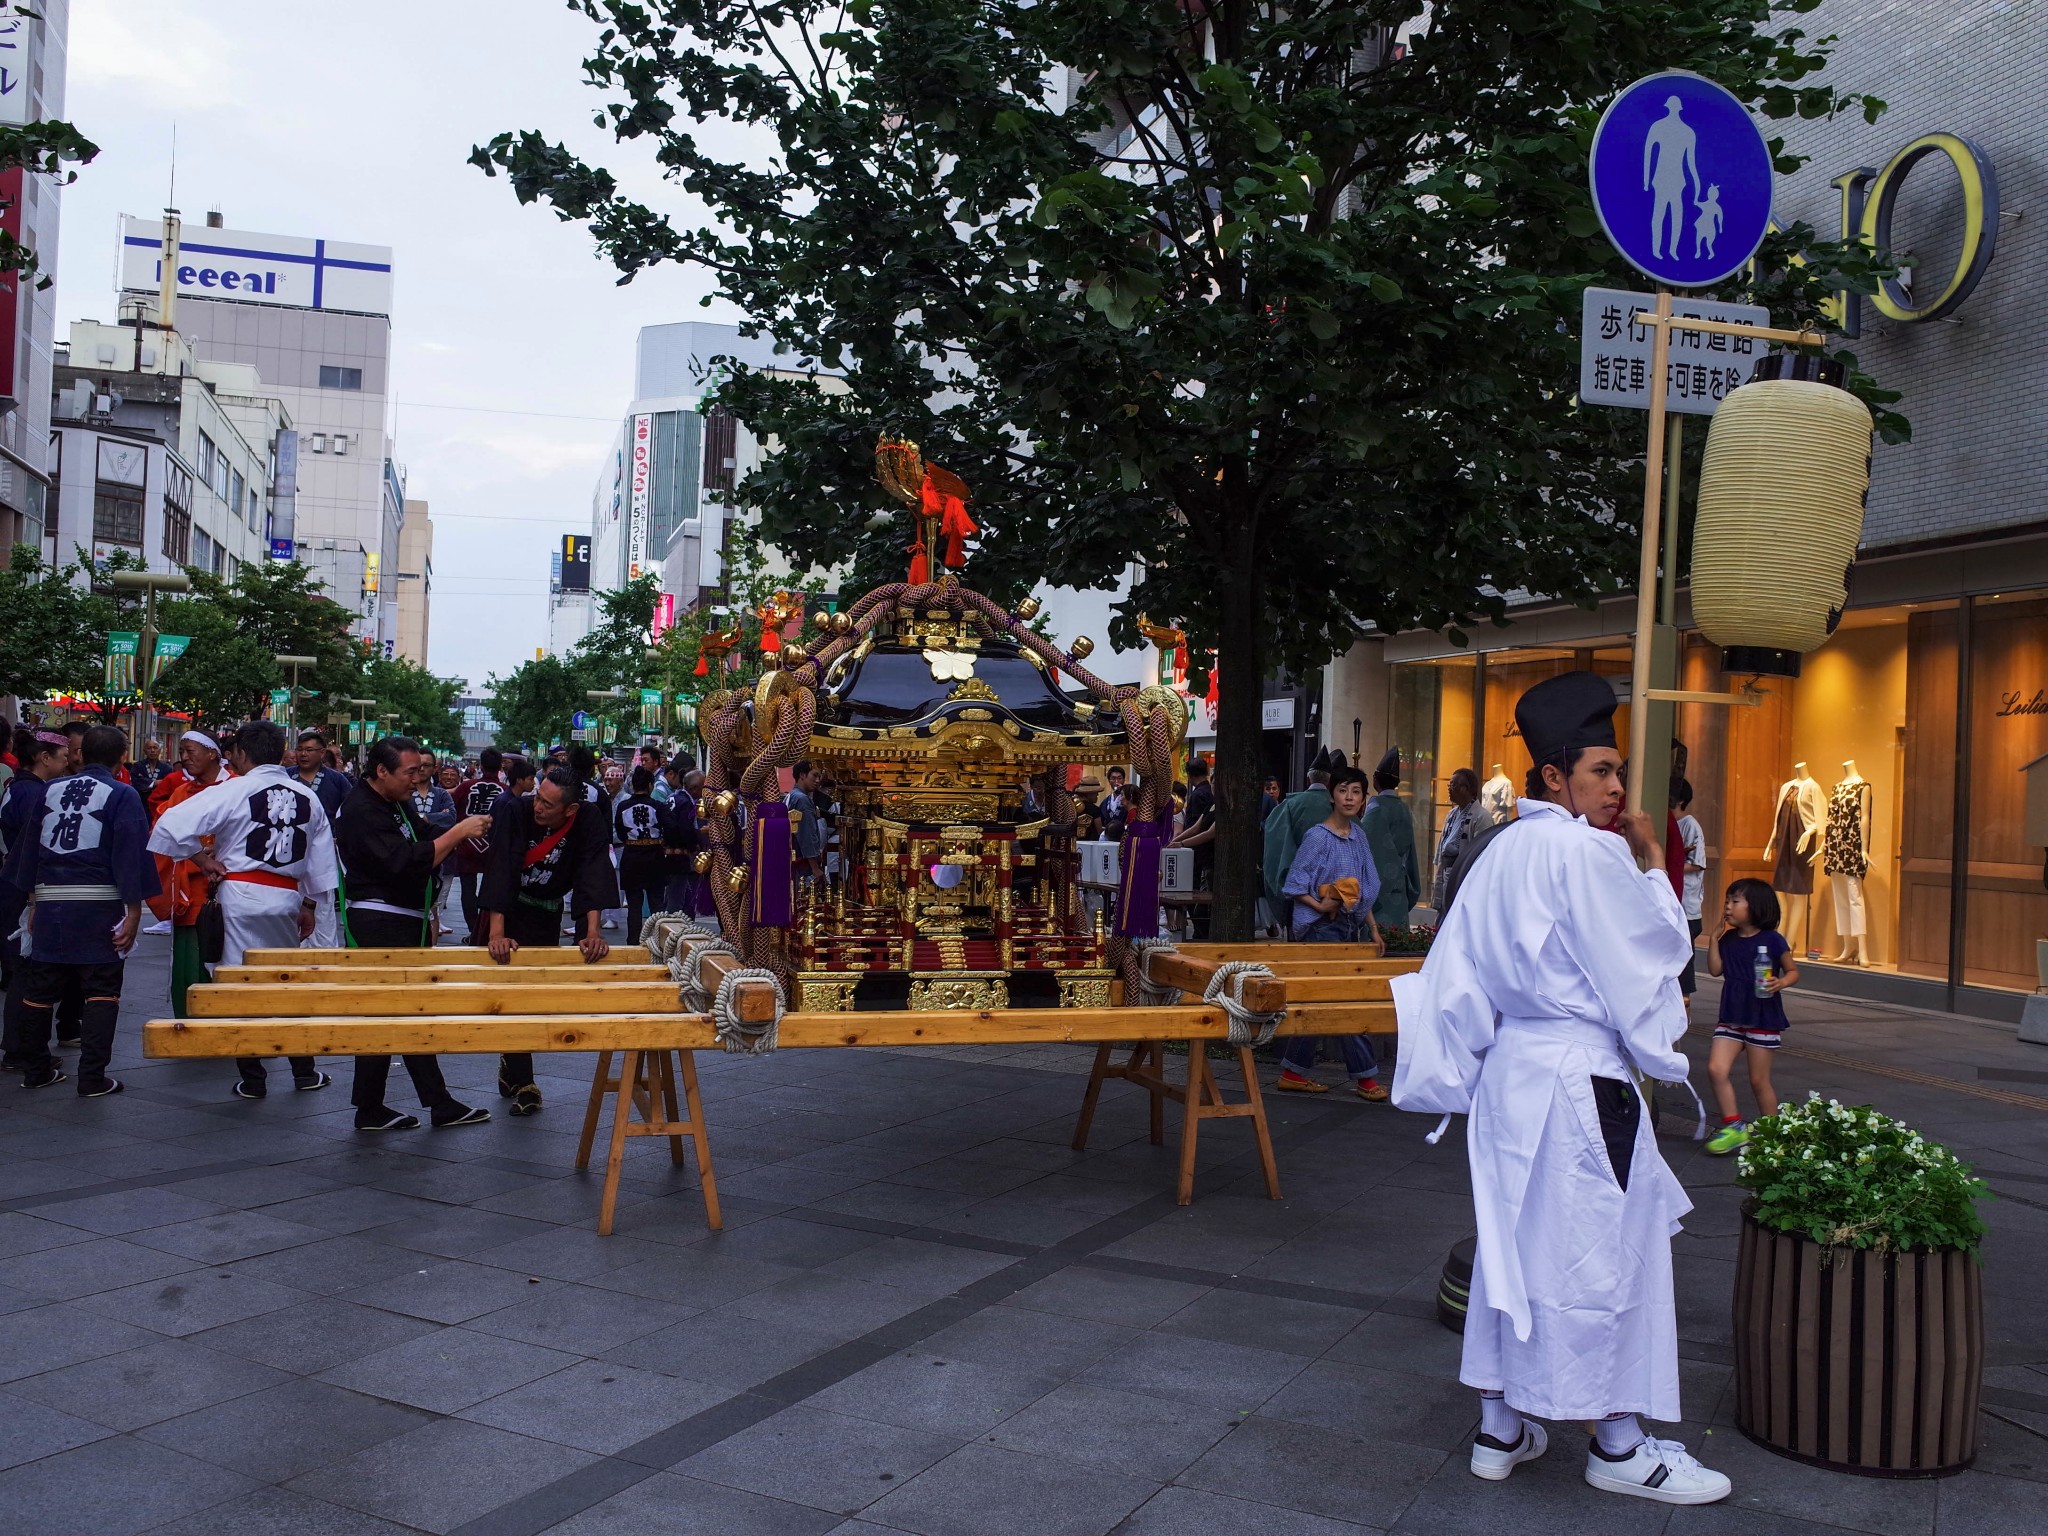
(1247, 1026)
(1152, 994)
(736, 1034)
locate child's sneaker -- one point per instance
(1727, 1139)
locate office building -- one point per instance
(415, 580)
(312, 317)
(32, 67)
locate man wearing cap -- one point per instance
(1390, 832)
(200, 768)
(263, 841)
(1551, 981)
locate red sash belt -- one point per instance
(262, 877)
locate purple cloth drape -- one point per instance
(769, 856)
(1137, 894)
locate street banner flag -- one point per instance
(122, 646)
(168, 649)
(280, 702)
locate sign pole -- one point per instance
(1646, 576)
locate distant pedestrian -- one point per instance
(1198, 831)
(183, 885)
(1331, 884)
(1755, 965)
(475, 797)
(639, 822)
(1391, 831)
(143, 776)
(320, 775)
(40, 756)
(1692, 839)
(1461, 828)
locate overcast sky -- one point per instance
(352, 122)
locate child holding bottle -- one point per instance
(1755, 965)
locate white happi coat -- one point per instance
(267, 821)
(1557, 965)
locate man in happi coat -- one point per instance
(264, 837)
(553, 848)
(1553, 981)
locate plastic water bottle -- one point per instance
(1763, 973)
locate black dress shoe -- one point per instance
(386, 1120)
(100, 1089)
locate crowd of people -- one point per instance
(256, 838)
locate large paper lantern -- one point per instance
(1781, 502)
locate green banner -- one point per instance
(650, 699)
(122, 646)
(280, 702)
(168, 649)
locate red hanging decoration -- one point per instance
(920, 563)
(1214, 697)
(703, 668)
(771, 630)
(944, 496)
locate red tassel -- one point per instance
(703, 666)
(1180, 659)
(1214, 697)
(920, 565)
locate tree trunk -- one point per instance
(1241, 659)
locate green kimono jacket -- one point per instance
(1285, 828)
(1390, 834)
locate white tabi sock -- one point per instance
(1618, 1434)
(1498, 1420)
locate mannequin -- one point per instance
(1497, 796)
(1845, 859)
(1795, 838)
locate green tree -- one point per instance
(239, 629)
(53, 630)
(1228, 288)
(424, 703)
(534, 702)
(40, 149)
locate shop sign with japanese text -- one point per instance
(1614, 352)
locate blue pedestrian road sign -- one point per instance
(1681, 179)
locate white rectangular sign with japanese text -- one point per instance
(1614, 352)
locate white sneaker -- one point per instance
(1494, 1461)
(162, 927)
(1656, 1469)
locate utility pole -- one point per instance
(148, 583)
(291, 709)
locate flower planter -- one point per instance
(1857, 1360)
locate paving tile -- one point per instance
(350, 1210)
(726, 1350)
(694, 1277)
(978, 1491)
(449, 1290)
(247, 1188)
(280, 1512)
(195, 1300)
(141, 1386)
(1421, 1346)
(1182, 1511)
(1544, 1498)
(669, 1505)
(48, 1338)
(1266, 1322)
(1107, 1296)
(22, 1233)
(24, 1178)
(597, 1405)
(287, 1429)
(581, 1319)
(30, 1431)
(114, 1487)
(456, 1231)
(1778, 1485)
(314, 1335)
(1012, 1220)
(457, 1183)
(228, 1236)
(828, 1303)
(330, 1266)
(127, 1210)
(447, 1371)
(781, 1240)
(1229, 1376)
(825, 1460)
(442, 1475)
(1146, 1437)
(1433, 1412)
(929, 1269)
(1318, 1471)
(569, 1253)
(96, 1264)
(921, 1390)
(1017, 1338)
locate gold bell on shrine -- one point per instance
(1781, 500)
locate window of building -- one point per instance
(332, 377)
(209, 457)
(204, 550)
(177, 535)
(720, 450)
(234, 497)
(117, 516)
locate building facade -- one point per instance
(312, 318)
(415, 581)
(32, 67)
(1903, 745)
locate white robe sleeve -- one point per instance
(322, 873)
(1628, 934)
(1446, 1020)
(178, 830)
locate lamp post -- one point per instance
(291, 708)
(601, 697)
(362, 707)
(149, 583)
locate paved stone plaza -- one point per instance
(926, 1313)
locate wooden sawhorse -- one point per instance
(1200, 1098)
(646, 1082)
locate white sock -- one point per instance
(1497, 1419)
(1618, 1433)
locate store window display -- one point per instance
(1795, 839)
(1845, 860)
(1497, 796)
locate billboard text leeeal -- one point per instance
(260, 269)
(636, 527)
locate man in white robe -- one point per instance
(272, 852)
(1551, 981)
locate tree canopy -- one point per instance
(1236, 289)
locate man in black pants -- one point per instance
(544, 851)
(388, 857)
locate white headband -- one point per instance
(203, 739)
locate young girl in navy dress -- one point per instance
(1755, 966)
